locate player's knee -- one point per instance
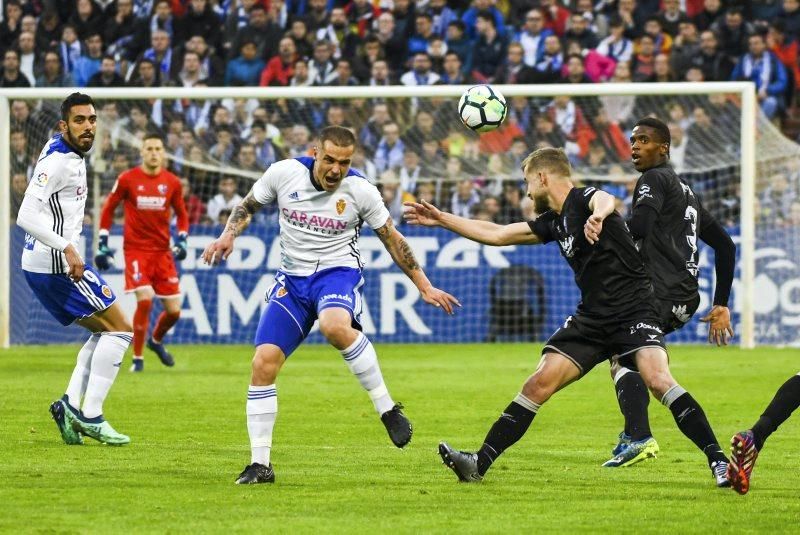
(540, 387)
(121, 325)
(337, 332)
(659, 382)
(266, 364)
(172, 307)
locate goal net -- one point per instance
(413, 146)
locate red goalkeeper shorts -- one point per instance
(152, 268)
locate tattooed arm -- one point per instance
(241, 215)
(403, 256)
(239, 219)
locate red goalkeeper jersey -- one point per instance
(148, 204)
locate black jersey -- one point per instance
(610, 274)
(670, 249)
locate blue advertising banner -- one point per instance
(507, 293)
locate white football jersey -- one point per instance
(59, 181)
(319, 229)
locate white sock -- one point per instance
(106, 360)
(80, 375)
(363, 363)
(262, 410)
(671, 395)
(621, 373)
(525, 402)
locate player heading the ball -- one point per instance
(322, 204)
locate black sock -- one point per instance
(693, 423)
(786, 400)
(507, 430)
(633, 399)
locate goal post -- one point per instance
(746, 157)
(747, 238)
(5, 216)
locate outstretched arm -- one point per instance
(403, 256)
(239, 219)
(485, 232)
(241, 215)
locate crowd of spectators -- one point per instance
(410, 148)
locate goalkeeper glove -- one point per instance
(104, 258)
(179, 249)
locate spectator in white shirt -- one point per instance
(226, 199)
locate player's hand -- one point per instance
(719, 325)
(104, 258)
(219, 249)
(593, 228)
(75, 263)
(439, 299)
(422, 213)
(179, 249)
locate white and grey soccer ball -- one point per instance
(482, 108)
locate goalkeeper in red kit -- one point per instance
(149, 194)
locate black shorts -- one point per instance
(588, 341)
(673, 315)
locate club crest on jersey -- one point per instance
(566, 246)
(644, 192)
(162, 189)
(680, 313)
(281, 292)
(340, 206)
(106, 291)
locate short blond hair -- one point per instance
(550, 159)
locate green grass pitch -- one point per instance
(337, 471)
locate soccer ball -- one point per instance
(482, 108)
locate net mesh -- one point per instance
(416, 148)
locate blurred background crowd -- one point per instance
(410, 148)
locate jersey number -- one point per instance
(91, 277)
(691, 239)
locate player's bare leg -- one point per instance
(115, 334)
(555, 371)
(692, 421)
(335, 323)
(262, 410)
(168, 317)
(141, 322)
